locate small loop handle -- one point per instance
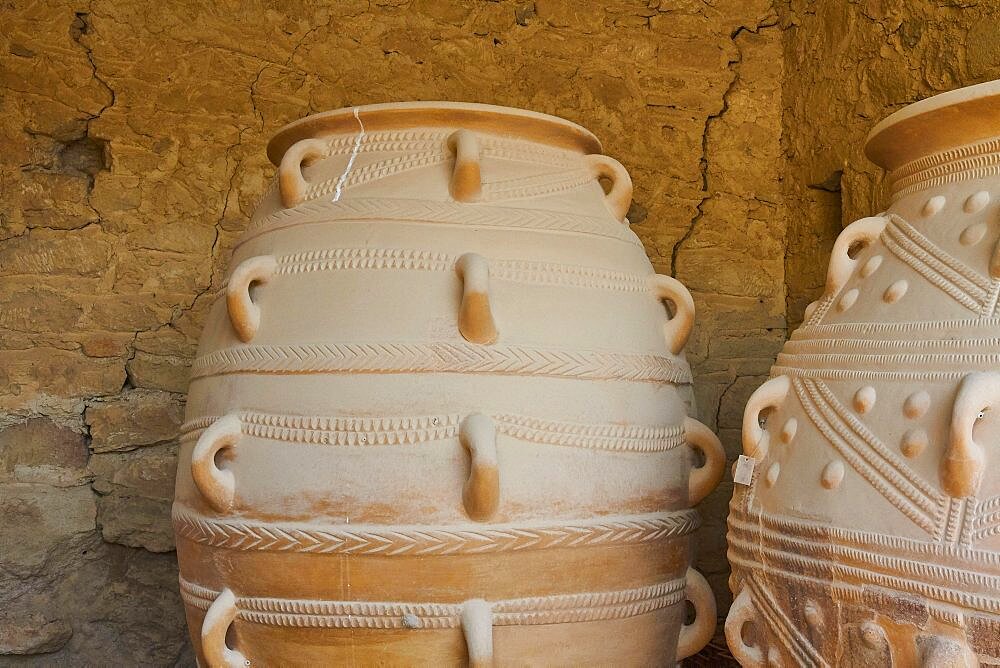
(477, 626)
(243, 313)
(842, 265)
(219, 617)
(291, 183)
(964, 462)
(475, 316)
(677, 331)
(742, 612)
(619, 198)
(217, 486)
(769, 395)
(705, 478)
(694, 636)
(466, 176)
(481, 493)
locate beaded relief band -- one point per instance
(556, 609)
(410, 430)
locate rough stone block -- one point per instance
(134, 419)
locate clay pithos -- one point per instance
(870, 533)
(439, 413)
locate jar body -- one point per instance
(870, 534)
(423, 422)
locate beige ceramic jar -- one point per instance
(870, 534)
(439, 412)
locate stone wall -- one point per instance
(134, 141)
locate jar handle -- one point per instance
(466, 176)
(965, 460)
(475, 316)
(695, 636)
(217, 486)
(219, 617)
(677, 331)
(619, 199)
(477, 626)
(842, 264)
(291, 184)
(243, 313)
(706, 477)
(741, 612)
(768, 395)
(481, 494)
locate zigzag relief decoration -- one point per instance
(355, 431)
(430, 540)
(872, 459)
(555, 609)
(521, 187)
(962, 283)
(782, 627)
(442, 357)
(451, 213)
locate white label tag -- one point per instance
(744, 470)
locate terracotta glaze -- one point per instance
(439, 413)
(870, 532)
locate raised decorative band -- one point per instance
(426, 540)
(442, 357)
(521, 271)
(863, 559)
(410, 430)
(974, 161)
(445, 213)
(556, 609)
(975, 329)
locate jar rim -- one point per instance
(515, 123)
(935, 124)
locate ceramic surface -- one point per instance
(870, 534)
(439, 412)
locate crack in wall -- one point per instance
(706, 150)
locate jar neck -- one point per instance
(965, 163)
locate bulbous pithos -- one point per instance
(870, 533)
(439, 412)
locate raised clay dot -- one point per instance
(933, 205)
(976, 202)
(916, 404)
(847, 300)
(813, 615)
(896, 291)
(973, 234)
(864, 399)
(773, 471)
(833, 474)
(914, 442)
(871, 266)
(788, 431)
